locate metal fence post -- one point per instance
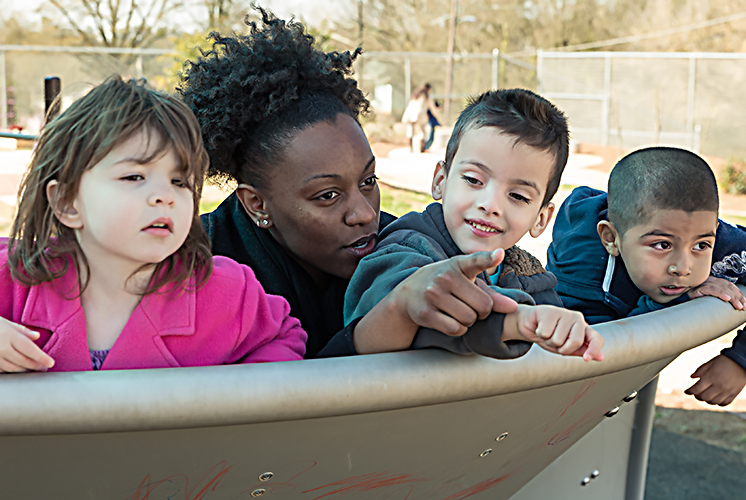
(495, 68)
(3, 94)
(138, 66)
(540, 71)
(690, 101)
(407, 79)
(605, 114)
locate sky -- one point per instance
(313, 11)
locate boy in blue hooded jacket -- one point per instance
(653, 242)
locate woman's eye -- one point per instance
(370, 181)
(520, 197)
(328, 196)
(661, 245)
(471, 180)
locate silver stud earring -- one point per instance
(265, 222)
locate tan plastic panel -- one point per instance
(405, 425)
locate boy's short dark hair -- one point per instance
(527, 116)
(659, 178)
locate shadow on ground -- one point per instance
(695, 455)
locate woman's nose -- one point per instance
(360, 211)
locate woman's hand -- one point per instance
(441, 296)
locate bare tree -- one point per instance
(117, 23)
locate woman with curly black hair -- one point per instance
(279, 117)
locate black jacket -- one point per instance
(234, 235)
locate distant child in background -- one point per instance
(502, 167)
(107, 265)
(653, 242)
(416, 117)
(432, 117)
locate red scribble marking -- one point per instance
(148, 487)
(485, 485)
(561, 436)
(365, 483)
(582, 390)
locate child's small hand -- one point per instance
(558, 330)
(18, 353)
(720, 380)
(722, 289)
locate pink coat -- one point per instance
(227, 320)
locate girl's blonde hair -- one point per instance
(75, 141)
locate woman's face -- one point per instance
(323, 200)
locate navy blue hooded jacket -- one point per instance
(597, 284)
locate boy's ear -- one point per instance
(254, 204)
(69, 216)
(609, 237)
(439, 179)
(542, 221)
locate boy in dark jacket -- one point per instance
(503, 165)
(656, 243)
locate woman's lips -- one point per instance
(363, 246)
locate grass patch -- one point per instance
(734, 176)
(717, 428)
(208, 206)
(734, 219)
(400, 201)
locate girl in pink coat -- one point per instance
(107, 265)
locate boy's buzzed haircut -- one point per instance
(527, 116)
(659, 178)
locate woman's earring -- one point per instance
(262, 222)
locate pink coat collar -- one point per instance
(48, 308)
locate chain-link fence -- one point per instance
(386, 77)
(389, 77)
(23, 69)
(635, 99)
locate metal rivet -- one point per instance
(258, 492)
(486, 452)
(585, 481)
(595, 474)
(501, 436)
(629, 397)
(612, 412)
(266, 476)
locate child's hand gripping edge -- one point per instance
(18, 353)
(557, 330)
(722, 289)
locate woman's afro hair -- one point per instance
(252, 93)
